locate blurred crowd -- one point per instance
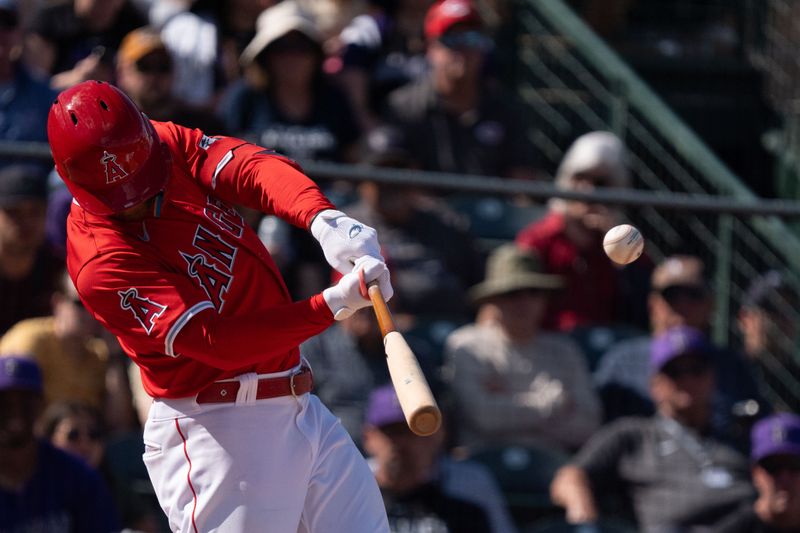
(574, 390)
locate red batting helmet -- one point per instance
(105, 149)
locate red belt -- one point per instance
(295, 384)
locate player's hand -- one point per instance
(344, 240)
(350, 294)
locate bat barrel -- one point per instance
(416, 399)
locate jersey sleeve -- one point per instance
(153, 310)
(243, 173)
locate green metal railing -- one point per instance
(574, 83)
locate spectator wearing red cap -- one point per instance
(456, 119)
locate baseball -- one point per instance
(623, 244)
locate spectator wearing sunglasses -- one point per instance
(455, 119)
(42, 488)
(680, 295)
(776, 475)
(145, 71)
(673, 471)
(75, 428)
(78, 429)
(569, 239)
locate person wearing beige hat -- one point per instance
(511, 382)
(284, 101)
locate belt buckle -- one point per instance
(291, 384)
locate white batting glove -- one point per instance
(350, 294)
(344, 239)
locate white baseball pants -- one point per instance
(281, 465)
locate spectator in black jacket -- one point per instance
(675, 470)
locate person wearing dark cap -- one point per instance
(455, 119)
(769, 324)
(145, 71)
(28, 269)
(680, 295)
(776, 474)
(424, 490)
(25, 100)
(42, 488)
(674, 470)
(511, 383)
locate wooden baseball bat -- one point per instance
(416, 400)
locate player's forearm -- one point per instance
(571, 489)
(229, 343)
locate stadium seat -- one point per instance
(524, 474)
(430, 332)
(596, 340)
(493, 219)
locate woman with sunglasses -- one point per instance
(78, 429)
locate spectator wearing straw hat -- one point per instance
(285, 103)
(512, 383)
(776, 474)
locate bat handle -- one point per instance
(385, 320)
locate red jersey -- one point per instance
(190, 291)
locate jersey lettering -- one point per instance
(214, 281)
(144, 309)
(214, 247)
(114, 172)
(225, 217)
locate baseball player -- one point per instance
(234, 442)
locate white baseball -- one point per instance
(623, 244)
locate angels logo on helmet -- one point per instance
(113, 171)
